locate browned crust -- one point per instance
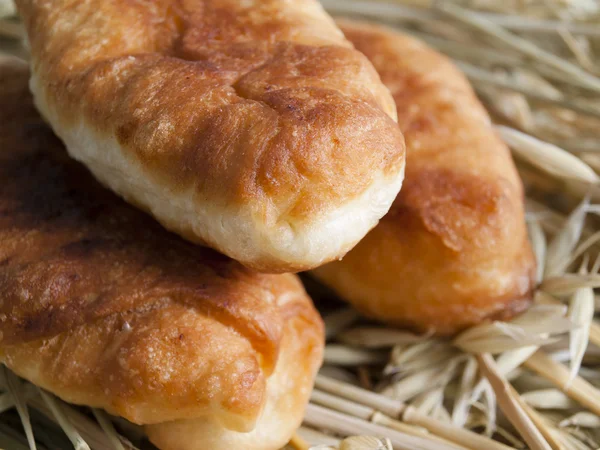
(267, 106)
(453, 250)
(105, 308)
(288, 391)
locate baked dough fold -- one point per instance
(252, 127)
(103, 307)
(453, 249)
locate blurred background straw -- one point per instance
(532, 382)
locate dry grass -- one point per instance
(532, 381)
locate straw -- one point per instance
(324, 418)
(376, 401)
(576, 388)
(298, 443)
(406, 12)
(108, 428)
(317, 437)
(518, 44)
(542, 425)
(510, 406)
(365, 404)
(12, 382)
(64, 422)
